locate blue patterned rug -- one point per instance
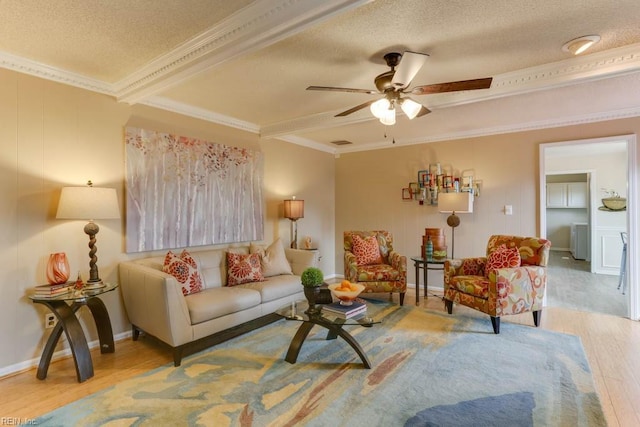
(428, 369)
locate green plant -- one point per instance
(312, 277)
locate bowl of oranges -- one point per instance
(346, 291)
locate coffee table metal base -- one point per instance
(335, 330)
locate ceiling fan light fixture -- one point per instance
(389, 117)
(410, 107)
(380, 108)
(581, 44)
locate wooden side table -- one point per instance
(64, 307)
(425, 265)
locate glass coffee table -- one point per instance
(334, 323)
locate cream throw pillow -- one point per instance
(274, 261)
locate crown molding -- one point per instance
(256, 26)
(200, 113)
(47, 72)
(497, 130)
(304, 142)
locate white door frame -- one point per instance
(633, 210)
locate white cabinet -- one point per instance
(567, 195)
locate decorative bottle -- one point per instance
(429, 249)
(57, 268)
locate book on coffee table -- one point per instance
(346, 311)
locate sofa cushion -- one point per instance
(502, 257)
(367, 250)
(217, 302)
(273, 259)
(276, 287)
(185, 269)
(478, 286)
(243, 268)
(378, 273)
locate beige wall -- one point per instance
(368, 194)
(53, 135)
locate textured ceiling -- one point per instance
(247, 64)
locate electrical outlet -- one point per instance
(49, 320)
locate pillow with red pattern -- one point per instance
(502, 257)
(185, 269)
(243, 268)
(366, 250)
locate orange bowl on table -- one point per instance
(344, 292)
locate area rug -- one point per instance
(428, 369)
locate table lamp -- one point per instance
(455, 202)
(294, 210)
(89, 203)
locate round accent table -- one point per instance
(64, 307)
(425, 265)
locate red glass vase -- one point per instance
(57, 268)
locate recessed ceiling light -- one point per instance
(581, 44)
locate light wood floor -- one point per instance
(612, 345)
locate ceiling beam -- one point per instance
(254, 27)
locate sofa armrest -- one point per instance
(350, 267)
(300, 260)
(517, 290)
(465, 267)
(399, 262)
(154, 303)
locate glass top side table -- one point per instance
(64, 307)
(425, 264)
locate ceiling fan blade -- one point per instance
(423, 111)
(452, 86)
(342, 89)
(356, 108)
(410, 64)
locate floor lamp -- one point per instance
(89, 203)
(452, 203)
(294, 210)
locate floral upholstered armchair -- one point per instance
(369, 259)
(510, 279)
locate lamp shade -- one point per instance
(88, 203)
(294, 209)
(455, 202)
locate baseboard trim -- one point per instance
(26, 365)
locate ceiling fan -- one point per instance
(395, 82)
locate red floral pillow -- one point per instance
(185, 270)
(502, 257)
(243, 268)
(366, 250)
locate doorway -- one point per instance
(606, 164)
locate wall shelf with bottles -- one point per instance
(437, 179)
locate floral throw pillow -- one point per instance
(366, 250)
(243, 268)
(185, 270)
(502, 257)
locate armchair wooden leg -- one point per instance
(537, 316)
(449, 306)
(495, 322)
(401, 298)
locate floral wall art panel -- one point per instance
(188, 192)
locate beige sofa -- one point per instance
(156, 306)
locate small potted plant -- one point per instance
(312, 278)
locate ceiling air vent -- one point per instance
(342, 142)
